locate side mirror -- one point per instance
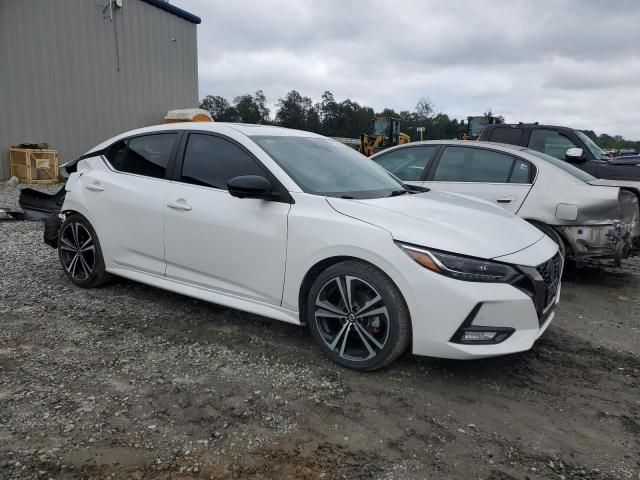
(250, 186)
(575, 155)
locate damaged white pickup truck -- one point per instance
(587, 217)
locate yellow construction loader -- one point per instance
(476, 124)
(386, 133)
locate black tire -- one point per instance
(374, 333)
(553, 235)
(77, 239)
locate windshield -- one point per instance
(476, 125)
(323, 166)
(567, 167)
(591, 145)
(380, 126)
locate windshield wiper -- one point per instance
(416, 189)
(395, 193)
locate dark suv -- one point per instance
(566, 144)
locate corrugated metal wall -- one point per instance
(59, 76)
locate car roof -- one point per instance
(526, 153)
(244, 128)
(214, 127)
(537, 125)
(463, 143)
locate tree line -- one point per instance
(615, 142)
(347, 118)
(330, 117)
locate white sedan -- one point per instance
(303, 229)
(587, 217)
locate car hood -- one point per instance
(445, 221)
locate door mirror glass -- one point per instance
(250, 186)
(574, 155)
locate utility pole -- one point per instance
(421, 130)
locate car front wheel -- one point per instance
(358, 316)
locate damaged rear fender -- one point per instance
(38, 205)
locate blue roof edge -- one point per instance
(167, 7)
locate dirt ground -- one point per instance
(129, 381)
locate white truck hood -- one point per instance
(445, 221)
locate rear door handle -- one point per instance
(504, 200)
(94, 187)
(179, 205)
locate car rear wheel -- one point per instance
(80, 253)
(358, 316)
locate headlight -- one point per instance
(460, 267)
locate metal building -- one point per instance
(76, 72)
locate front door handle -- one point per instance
(94, 187)
(179, 204)
(504, 200)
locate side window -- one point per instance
(213, 161)
(522, 172)
(506, 135)
(463, 164)
(550, 142)
(149, 155)
(115, 154)
(407, 163)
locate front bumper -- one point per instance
(441, 306)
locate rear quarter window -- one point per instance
(115, 153)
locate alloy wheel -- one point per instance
(352, 318)
(77, 251)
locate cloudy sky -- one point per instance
(573, 63)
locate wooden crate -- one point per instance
(34, 165)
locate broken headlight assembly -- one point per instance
(460, 267)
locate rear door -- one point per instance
(125, 202)
(410, 163)
(495, 176)
(235, 246)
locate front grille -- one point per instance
(550, 271)
(541, 285)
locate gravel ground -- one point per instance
(128, 381)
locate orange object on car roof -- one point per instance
(188, 115)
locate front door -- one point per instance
(408, 163)
(230, 245)
(557, 143)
